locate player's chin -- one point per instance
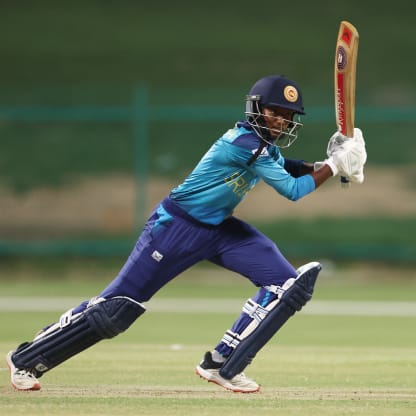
(275, 134)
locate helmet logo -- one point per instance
(291, 93)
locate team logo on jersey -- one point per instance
(264, 152)
(238, 184)
(291, 93)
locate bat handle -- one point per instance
(345, 183)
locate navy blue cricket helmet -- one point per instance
(279, 91)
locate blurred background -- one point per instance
(105, 105)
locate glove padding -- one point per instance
(346, 156)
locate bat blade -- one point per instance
(345, 67)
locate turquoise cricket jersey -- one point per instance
(222, 178)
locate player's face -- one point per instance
(277, 119)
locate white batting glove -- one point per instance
(358, 177)
(335, 142)
(346, 156)
(350, 157)
(329, 162)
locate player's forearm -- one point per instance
(321, 175)
(306, 168)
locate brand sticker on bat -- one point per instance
(341, 58)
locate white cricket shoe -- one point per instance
(209, 370)
(21, 379)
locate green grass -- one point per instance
(85, 277)
(316, 365)
(155, 379)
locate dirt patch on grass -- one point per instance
(110, 204)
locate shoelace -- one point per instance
(24, 373)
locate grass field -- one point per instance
(359, 360)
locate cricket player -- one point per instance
(195, 222)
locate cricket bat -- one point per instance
(345, 75)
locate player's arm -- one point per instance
(274, 173)
(297, 168)
(345, 157)
(321, 175)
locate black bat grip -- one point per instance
(345, 182)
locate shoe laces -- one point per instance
(24, 373)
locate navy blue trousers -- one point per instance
(164, 251)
